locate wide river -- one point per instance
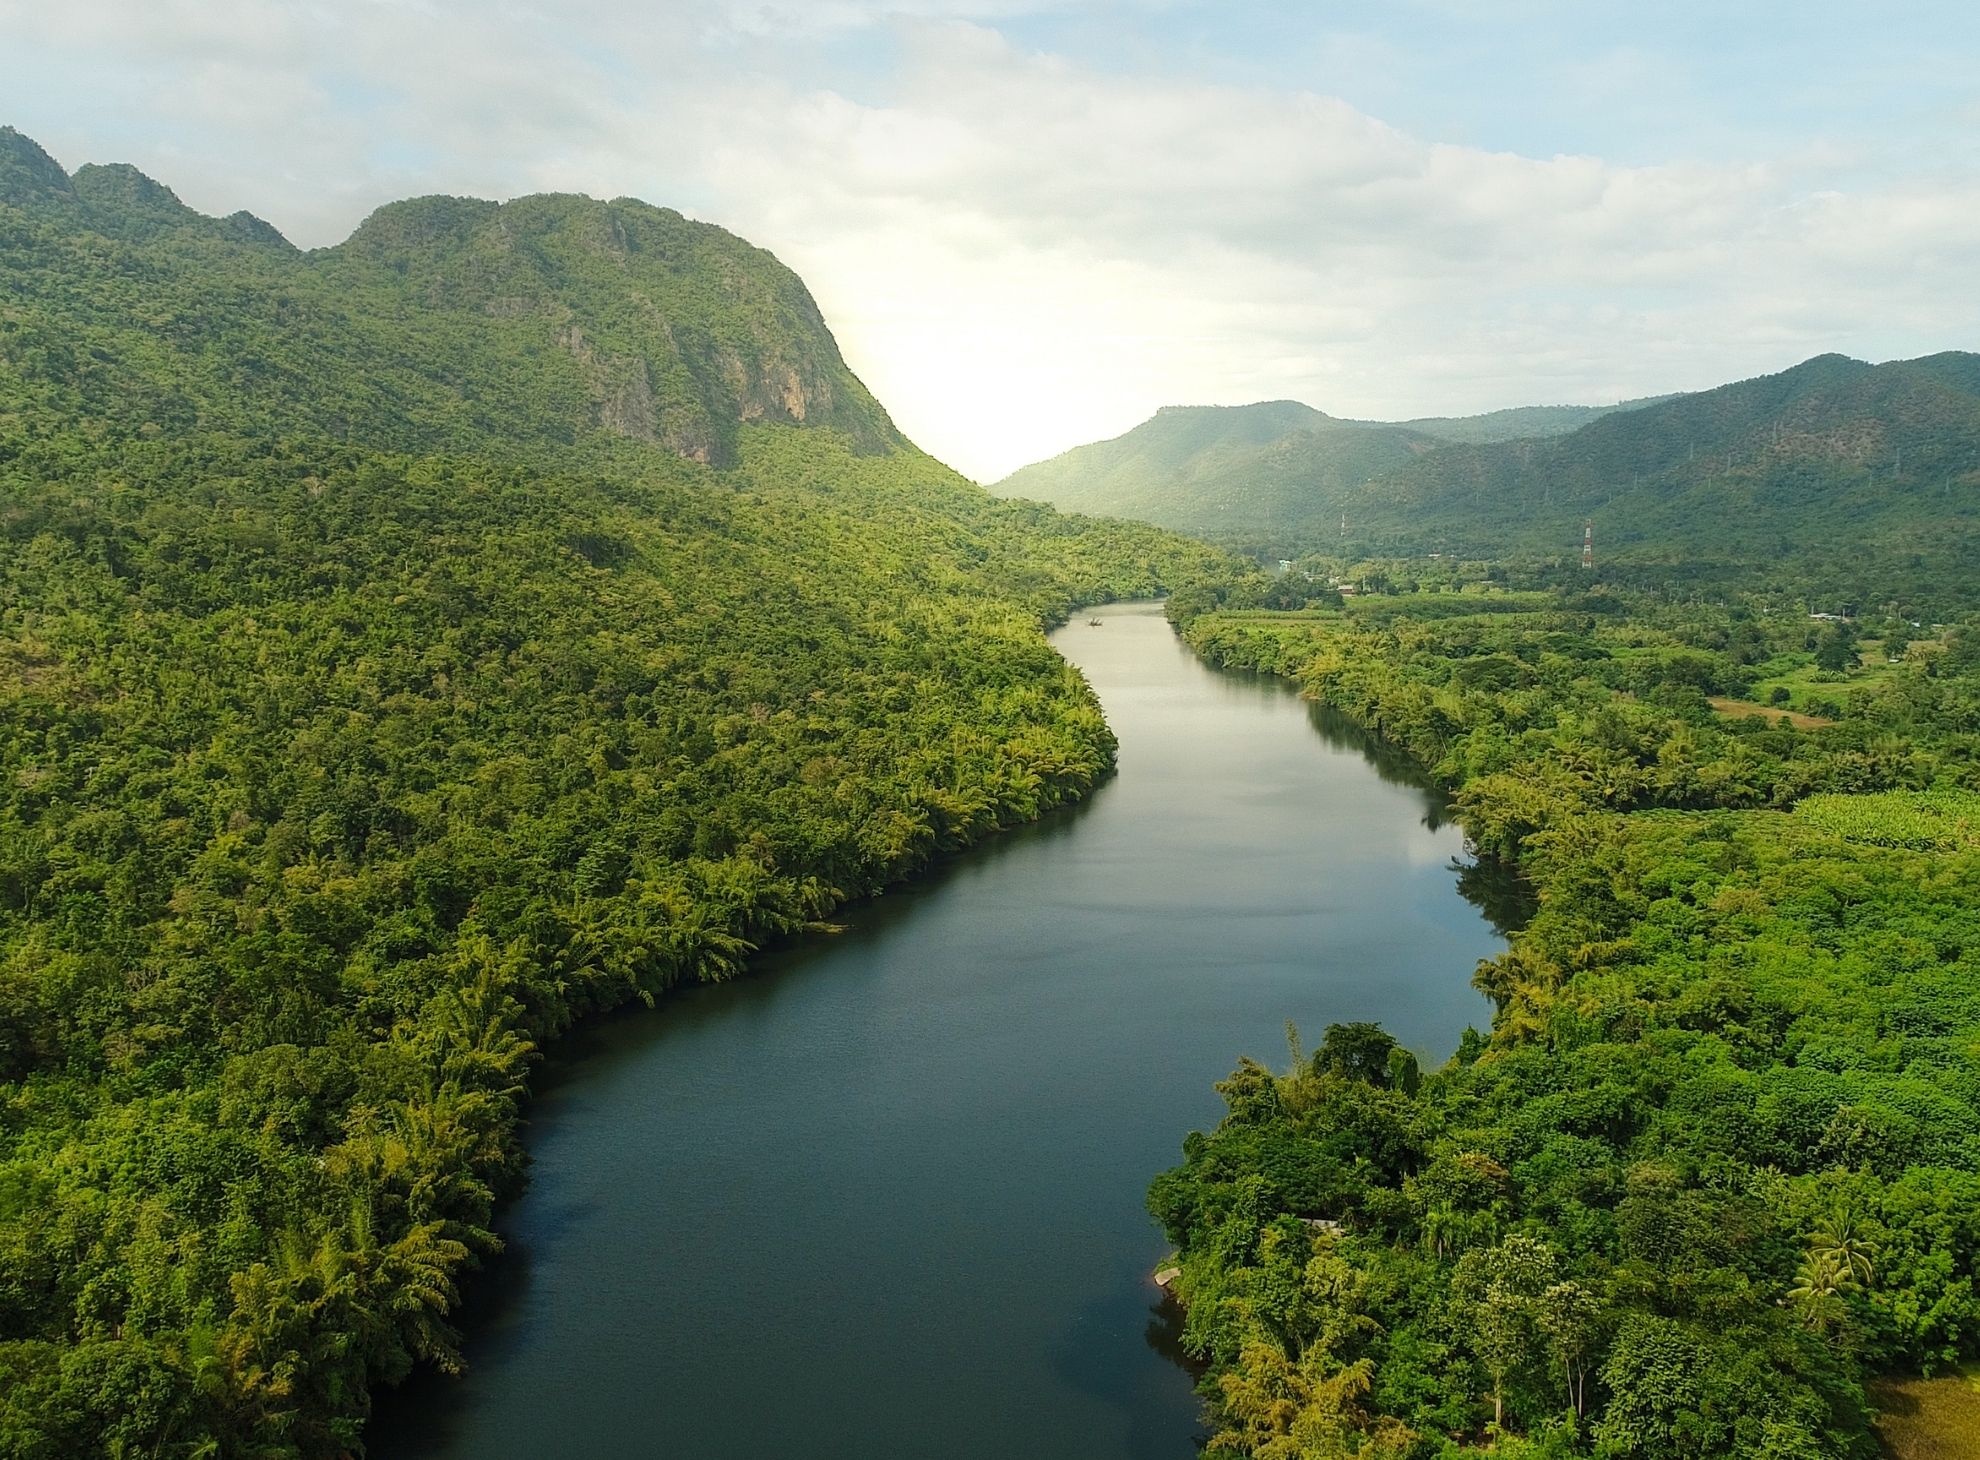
(884, 1198)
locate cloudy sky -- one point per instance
(1031, 222)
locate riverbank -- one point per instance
(988, 1060)
(1709, 1171)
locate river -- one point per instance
(884, 1198)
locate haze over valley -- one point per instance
(1824, 460)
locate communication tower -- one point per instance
(1588, 544)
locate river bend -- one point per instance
(884, 1197)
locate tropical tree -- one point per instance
(1841, 1241)
(1498, 1292)
(1819, 1283)
(1572, 1317)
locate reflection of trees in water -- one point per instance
(1165, 1333)
(1390, 762)
(1497, 888)
(1494, 887)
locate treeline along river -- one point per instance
(885, 1197)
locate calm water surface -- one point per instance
(885, 1197)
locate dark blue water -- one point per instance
(884, 1198)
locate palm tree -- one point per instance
(1841, 1241)
(1818, 1286)
(1438, 1225)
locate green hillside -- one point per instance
(1237, 473)
(1260, 475)
(1833, 457)
(406, 648)
(1834, 463)
(442, 322)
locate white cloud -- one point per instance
(1020, 253)
(776, 19)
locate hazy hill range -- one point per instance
(1255, 472)
(1220, 470)
(1833, 458)
(1518, 422)
(406, 647)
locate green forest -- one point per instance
(406, 649)
(411, 647)
(1813, 470)
(1712, 1172)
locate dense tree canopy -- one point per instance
(1718, 1159)
(405, 650)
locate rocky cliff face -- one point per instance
(543, 319)
(679, 331)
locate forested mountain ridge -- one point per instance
(440, 323)
(1831, 455)
(378, 695)
(1834, 462)
(1516, 423)
(1252, 473)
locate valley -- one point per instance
(1834, 477)
(564, 887)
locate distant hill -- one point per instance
(1254, 473)
(1518, 422)
(1225, 471)
(1833, 458)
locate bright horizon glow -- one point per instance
(1031, 223)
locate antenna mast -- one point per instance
(1588, 544)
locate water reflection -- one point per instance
(1392, 764)
(887, 1195)
(1499, 890)
(1494, 886)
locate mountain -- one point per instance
(1252, 474)
(1225, 471)
(1520, 422)
(1833, 461)
(440, 322)
(1833, 458)
(406, 648)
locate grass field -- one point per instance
(1929, 1419)
(1808, 686)
(1747, 710)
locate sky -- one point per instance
(1031, 223)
